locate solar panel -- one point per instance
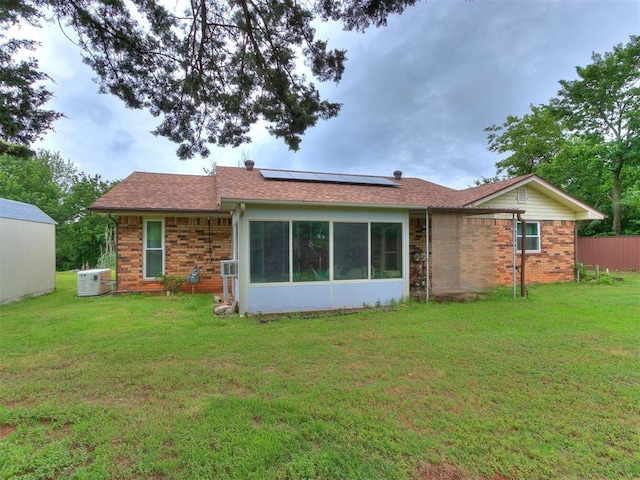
(276, 175)
(310, 177)
(380, 181)
(327, 178)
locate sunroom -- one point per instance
(319, 258)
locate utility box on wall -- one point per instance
(94, 282)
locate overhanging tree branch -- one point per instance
(212, 72)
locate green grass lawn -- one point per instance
(154, 387)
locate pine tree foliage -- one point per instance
(23, 118)
(210, 69)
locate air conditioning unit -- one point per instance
(229, 268)
(94, 282)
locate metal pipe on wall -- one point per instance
(514, 247)
(426, 279)
(523, 254)
(115, 222)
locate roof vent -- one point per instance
(522, 195)
(397, 174)
(248, 164)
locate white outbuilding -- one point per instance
(27, 251)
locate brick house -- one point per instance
(316, 241)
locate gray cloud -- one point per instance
(122, 143)
(419, 93)
(84, 107)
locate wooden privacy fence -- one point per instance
(615, 253)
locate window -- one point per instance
(269, 252)
(310, 251)
(367, 250)
(386, 250)
(153, 248)
(300, 251)
(533, 236)
(350, 251)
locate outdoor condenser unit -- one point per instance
(94, 282)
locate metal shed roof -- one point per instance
(23, 211)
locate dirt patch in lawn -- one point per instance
(6, 430)
(447, 472)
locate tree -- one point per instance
(22, 95)
(604, 104)
(20, 151)
(533, 140)
(81, 235)
(219, 67)
(587, 138)
(29, 179)
(22, 116)
(63, 193)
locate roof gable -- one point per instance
(474, 196)
(490, 193)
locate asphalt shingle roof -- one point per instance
(23, 211)
(161, 191)
(142, 191)
(243, 184)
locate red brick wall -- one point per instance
(477, 257)
(462, 253)
(503, 251)
(554, 263)
(479, 252)
(189, 242)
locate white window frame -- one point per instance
(145, 248)
(538, 236)
(368, 272)
(253, 250)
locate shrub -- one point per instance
(171, 282)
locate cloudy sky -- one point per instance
(416, 95)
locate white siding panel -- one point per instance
(538, 206)
(360, 294)
(27, 259)
(318, 296)
(289, 298)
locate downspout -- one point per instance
(210, 239)
(514, 248)
(523, 254)
(575, 252)
(241, 254)
(426, 267)
(115, 223)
